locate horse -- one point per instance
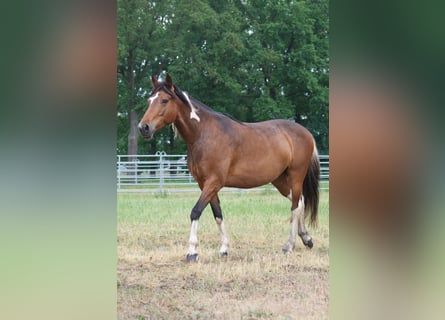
(225, 152)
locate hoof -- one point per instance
(223, 254)
(309, 244)
(287, 249)
(192, 257)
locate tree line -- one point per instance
(252, 59)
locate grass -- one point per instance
(174, 186)
(256, 280)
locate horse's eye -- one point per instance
(164, 101)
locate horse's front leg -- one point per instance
(208, 192)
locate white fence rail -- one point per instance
(163, 173)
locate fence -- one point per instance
(163, 173)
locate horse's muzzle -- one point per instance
(146, 131)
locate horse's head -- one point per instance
(162, 109)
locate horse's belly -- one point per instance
(245, 183)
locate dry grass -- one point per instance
(256, 280)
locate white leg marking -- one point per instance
(193, 240)
(300, 207)
(290, 195)
(193, 114)
(302, 232)
(295, 220)
(224, 238)
(293, 232)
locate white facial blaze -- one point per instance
(150, 100)
(193, 114)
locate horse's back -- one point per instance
(264, 150)
(278, 131)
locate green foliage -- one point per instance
(252, 59)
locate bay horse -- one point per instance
(224, 152)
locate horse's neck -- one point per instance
(189, 127)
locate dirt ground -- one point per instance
(256, 280)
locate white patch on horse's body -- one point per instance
(176, 131)
(150, 100)
(193, 240)
(193, 113)
(224, 238)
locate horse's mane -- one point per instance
(201, 105)
(196, 103)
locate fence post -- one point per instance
(136, 171)
(118, 172)
(161, 155)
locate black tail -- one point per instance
(311, 188)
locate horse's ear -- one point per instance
(168, 81)
(155, 82)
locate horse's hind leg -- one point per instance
(299, 214)
(302, 232)
(296, 212)
(217, 213)
(297, 219)
(297, 224)
(282, 183)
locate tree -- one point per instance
(252, 59)
(139, 27)
(288, 43)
